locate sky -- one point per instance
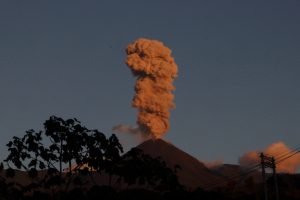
(237, 87)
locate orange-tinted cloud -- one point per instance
(214, 163)
(278, 150)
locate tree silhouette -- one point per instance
(96, 143)
(66, 138)
(112, 156)
(70, 144)
(29, 153)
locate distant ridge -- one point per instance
(193, 173)
(237, 173)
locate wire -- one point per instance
(283, 155)
(287, 157)
(278, 159)
(234, 177)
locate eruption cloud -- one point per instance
(134, 131)
(289, 165)
(151, 62)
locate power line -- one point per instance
(234, 177)
(287, 153)
(278, 158)
(287, 157)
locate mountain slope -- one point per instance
(192, 174)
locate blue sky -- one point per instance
(238, 83)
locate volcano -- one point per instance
(192, 173)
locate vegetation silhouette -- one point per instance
(44, 154)
(34, 169)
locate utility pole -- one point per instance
(275, 178)
(269, 162)
(263, 173)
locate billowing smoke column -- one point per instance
(289, 165)
(151, 62)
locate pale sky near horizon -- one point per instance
(237, 87)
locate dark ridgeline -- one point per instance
(96, 169)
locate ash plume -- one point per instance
(289, 165)
(154, 67)
(128, 129)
